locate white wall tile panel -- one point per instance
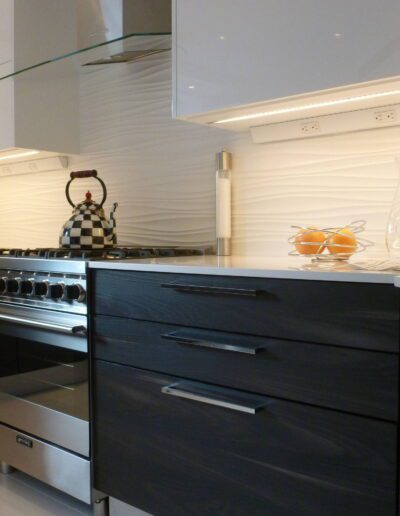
(161, 171)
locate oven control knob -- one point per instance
(74, 292)
(12, 286)
(3, 285)
(40, 288)
(56, 291)
(26, 287)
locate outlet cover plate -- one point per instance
(326, 125)
(34, 165)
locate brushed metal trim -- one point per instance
(218, 397)
(50, 464)
(202, 343)
(224, 247)
(211, 289)
(223, 161)
(43, 265)
(44, 325)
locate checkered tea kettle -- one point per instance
(88, 227)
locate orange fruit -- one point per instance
(305, 240)
(344, 237)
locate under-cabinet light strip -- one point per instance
(295, 109)
(19, 155)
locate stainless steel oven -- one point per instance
(44, 373)
(44, 385)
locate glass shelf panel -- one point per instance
(124, 49)
(49, 98)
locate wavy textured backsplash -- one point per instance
(161, 172)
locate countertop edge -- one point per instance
(352, 277)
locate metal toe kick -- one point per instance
(56, 467)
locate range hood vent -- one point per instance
(127, 56)
(111, 20)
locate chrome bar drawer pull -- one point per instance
(218, 396)
(251, 349)
(204, 289)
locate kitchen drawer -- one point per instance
(346, 314)
(252, 455)
(358, 381)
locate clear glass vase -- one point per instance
(393, 224)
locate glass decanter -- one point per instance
(393, 224)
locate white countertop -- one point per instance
(253, 266)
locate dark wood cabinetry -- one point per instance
(357, 315)
(211, 401)
(358, 381)
(171, 455)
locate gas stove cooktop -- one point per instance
(117, 253)
(53, 277)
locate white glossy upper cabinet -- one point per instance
(232, 53)
(39, 107)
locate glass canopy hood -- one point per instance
(40, 32)
(53, 53)
(125, 49)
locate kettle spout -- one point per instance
(115, 206)
(112, 223)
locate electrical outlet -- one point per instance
(377, 117)
(388, 115)
(310, 127)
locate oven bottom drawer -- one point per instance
(50, 464)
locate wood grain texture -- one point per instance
(174, 456)
(356, 381)
(357, 315)
(161, 171)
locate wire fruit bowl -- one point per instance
(335, 251)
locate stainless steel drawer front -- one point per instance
(50, 464)
(61, 429)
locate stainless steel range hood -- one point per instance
(106, 20)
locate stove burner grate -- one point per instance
(118, 253)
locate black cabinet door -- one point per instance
(170, 455)
(358, 315)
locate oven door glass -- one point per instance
(44, 391)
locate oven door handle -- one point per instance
(61, 328)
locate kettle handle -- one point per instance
(85, 173)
